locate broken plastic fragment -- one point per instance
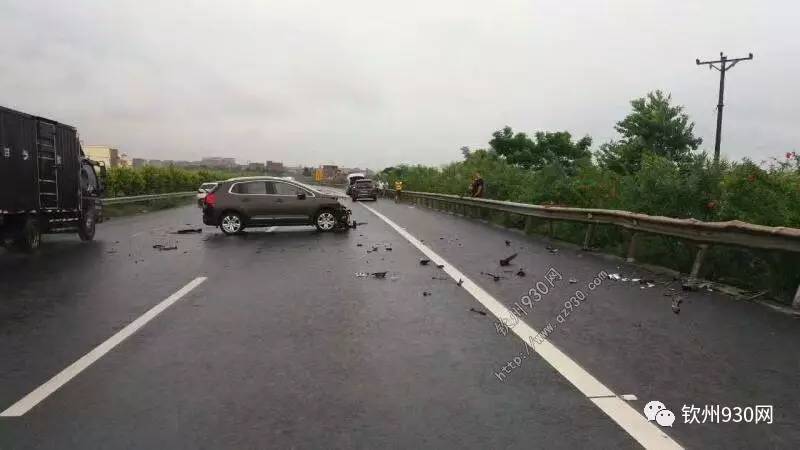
(483, 313)
(507, 261)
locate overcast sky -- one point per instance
(374, 83)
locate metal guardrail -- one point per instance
(144, 198)
(701, 233)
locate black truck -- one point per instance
(47, 185)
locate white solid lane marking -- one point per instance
(42, 392)
(271, 229)
(635, 424)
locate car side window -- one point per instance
(252, 187)
(287, 189)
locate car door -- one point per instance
(291, 207)
(253, 200)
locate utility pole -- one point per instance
(723, 64)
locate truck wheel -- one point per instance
(31, 235)
(87, 227)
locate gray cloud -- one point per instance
(377, 83)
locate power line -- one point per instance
(723, 64)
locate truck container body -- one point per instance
(47, 185)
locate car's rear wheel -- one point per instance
(325, 220)
(231, 223)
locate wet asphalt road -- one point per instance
(284, 347)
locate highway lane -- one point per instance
(284, 346)
(717, 351)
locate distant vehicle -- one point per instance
(239, 203)
(203, 190)
(47, 185)
(351, 179)
(364, 188)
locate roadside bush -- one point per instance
(127, 181)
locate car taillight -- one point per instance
(211, 199)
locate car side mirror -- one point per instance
(301, 196)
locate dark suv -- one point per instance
(364, 189)
(266, 201)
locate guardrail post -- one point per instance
(698, 262)
(587, 239)
(632, 247)
(796, 302)
(529, 225)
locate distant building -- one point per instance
(256, 167)
(293, 170)
(218, 162)
(275, 167)
(139, 162)
(329, 171)
(102, 153)
(155, 163)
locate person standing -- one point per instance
(477, 187)
(398, 190)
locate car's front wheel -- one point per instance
(325, 220)
(231, 223)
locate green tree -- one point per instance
(654, 126)
(546, 148)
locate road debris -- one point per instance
(494, 277)
(379, 274)
(521, 272)
(440, 266)
(426, 293)
(508, 243)
(388, 249)
(424, 262)
(551, 249)
(359, 245)
(460, 282)
(440, 278)
(676, 304)
(507, 261)
(361, 274)
(162, 247)
(483, 313)
(189, 231)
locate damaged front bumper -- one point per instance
(343, 215)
